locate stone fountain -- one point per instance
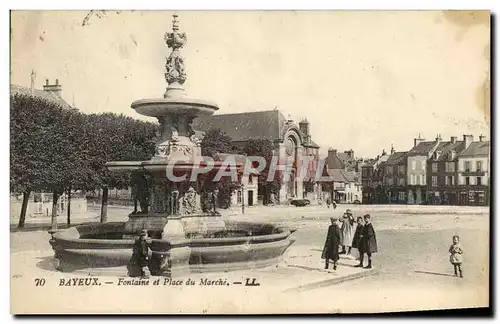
(185, 236)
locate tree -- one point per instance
(57, 149)
(117, 138)
(215, 141)
(265, 149)
(29, 119)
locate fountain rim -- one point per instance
(162, 164)
(65, 236)
(174, 105)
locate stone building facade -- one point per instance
(291, 141)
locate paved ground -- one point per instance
(413, 267)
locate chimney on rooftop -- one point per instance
(53, 88)
(453, 139)
(332, 151)
(418, 140)
(350, 154)
(468, 139)
(392, 149)
(438, 138)
(482, 138)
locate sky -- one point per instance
(365, 80)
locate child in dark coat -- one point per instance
(140, 257)
(358, 237)
(332, 243)
(368, 242)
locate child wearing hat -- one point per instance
(368, 242)
(332, 243)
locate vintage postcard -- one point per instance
(249, 162)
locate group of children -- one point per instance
(344, 233)
(358, 234)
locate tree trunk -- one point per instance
(24, 208)
(104, 206)
(55, 197)
(69, 206)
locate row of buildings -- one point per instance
(452, 172)
(448, 172)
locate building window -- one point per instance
(401, 181)
(238, 197)
(467, 181)
(479, 166)
(450, 167)
(434, 181)
(250, 180)
(401, 195)
(450, 180)
(434, 167)
(478, 181)
(467, 166)
(413, 165)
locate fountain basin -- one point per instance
(241, 245)
(174, 106)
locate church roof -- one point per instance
(47, 95)
(244, 126)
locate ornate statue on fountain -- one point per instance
(174, 201)
(174, 66)
(141, 192)
(189, 204)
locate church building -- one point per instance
(291, 140)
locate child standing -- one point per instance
(368, 242)
(456, 255)
(358, 237)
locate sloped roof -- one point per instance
(369, 163)
(245, 126)
(447, 148)
(395, 158)
(477, 149)
(422, 148)
(337, 175)
(334, 162)
(311, 143)
(349, 162)
(352, 176)
(47, 95)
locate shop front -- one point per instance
(473, 196)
